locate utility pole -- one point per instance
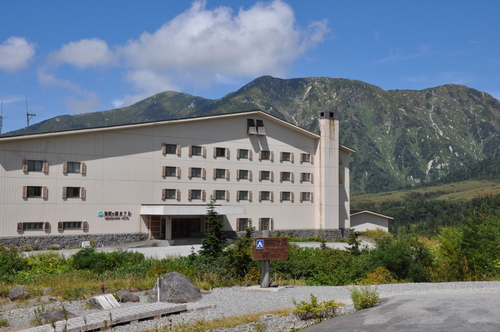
(28, 117)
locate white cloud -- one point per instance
(202, 45)
(15, 54)
(85, 53)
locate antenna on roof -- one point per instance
(28, 117)
(1, 115)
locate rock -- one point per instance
(47, 290)
(126, 296)
(104, 302)
(175, 288)
(56, 315)
(273, 284)
(18, 292)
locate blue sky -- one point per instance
(71, 57)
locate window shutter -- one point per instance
(301, 157)
(204, 173)
(301, 177)
(238, 154)
(85, 226)
(44, 192)
(190, 153)
(19, 226)
(215, 152)
(301, 197)
(250, 154)
(204, 152)
(46, 226)
(238, 174)
(190, 172)
(292, 157)
(45, 167)
(227, 195)
(164, 149)
(60, 226)
(178, 194)
(178, 172)
(281, 156)
(281, 176)
(260, 175)
(281, 196)
(164, 194)
(189, 194)
(271, 224)
(312, 177)
(83, 168)
(215, 173)
(227, 173)
(83, 193)
(272, 196)
(291, 196)
(272, 176)
(65, 167)
(312, 197)
(203, 194)
(25, 165)
(237, 195)
(227, 153)
(178, 150)
(164, 171)
(272, 156)
(64, 192)
(250, 175)
(291, 176)
(25, 191)
(213, 194)
(249, 222)
(260, 155)
(260, 196)
(312, 158)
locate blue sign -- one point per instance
(259, 244)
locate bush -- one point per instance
(99, 262)
(314, 310)
(11, 262)
(363, 297)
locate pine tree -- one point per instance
(215, 241)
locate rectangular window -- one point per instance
(285, 176)
(170, 171)
(265, 224)
(196, 150)
(265, 175)
(71, 225)
(305, 157)
(171, 149)
(35, 165)
(251, 129)
(243, 174)
(72, 167)
(196, 172)
(286, 156)
(265, 155)
(72, 192)
(243, 154)
(243, 224)
(305, 177)
(28, 226)
(221, 152)
(243, 195)
(220, 173)
(170, 194)
(195, 194)
(265, 195)
(305, 196)
(260, 127)
(220, 194)
(33, 191)
(286, 196)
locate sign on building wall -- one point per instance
(270, 248)
(115, 215)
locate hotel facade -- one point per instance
(154, 180)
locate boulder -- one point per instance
(175, 288)
(56, 315)
(126, 296)
(18, 292)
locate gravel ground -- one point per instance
(239, 300)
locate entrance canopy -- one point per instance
(186, 210)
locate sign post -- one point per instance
(266, 249)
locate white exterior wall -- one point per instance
(124, 171)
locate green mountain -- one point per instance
(401, 137)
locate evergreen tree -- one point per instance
(215, 240)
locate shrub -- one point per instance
(11, 262)
(364, 297)
(378, 276)
(314, 310)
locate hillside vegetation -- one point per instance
(402, 137)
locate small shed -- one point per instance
(364, 220)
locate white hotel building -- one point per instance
(155, 179)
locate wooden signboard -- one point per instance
(270, 248)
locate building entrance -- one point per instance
(186, 227)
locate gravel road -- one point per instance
(240, 300)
